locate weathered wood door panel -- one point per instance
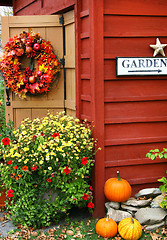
(50, 29)
(70, 62)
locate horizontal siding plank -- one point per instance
(131, 162)
(84, 35)
(84, 13)
(136, 7)
(86, 97)
(136, 26)
(20, 4)
(136, 140)
(130, 47)
(121, 112)
(135, 90)
(140, 173)
(135, 133)
(131, 154)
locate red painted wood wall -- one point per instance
(129, 113)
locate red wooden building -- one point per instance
(129, 112)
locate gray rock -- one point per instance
(129, 208)
(117, 215)
(149, 216)
(114, 205)
(148, 192)
(156, 201)
(137, 203)
(154, 226)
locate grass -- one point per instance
(76, 228)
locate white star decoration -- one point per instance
(158, 48)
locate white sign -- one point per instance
(141, 66)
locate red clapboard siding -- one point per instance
(134, 26)
(85, 87)
(114, 47)
(146, 111)
(139, 7)
(131, 154)
(44, 7)
(135, 90)
(84, 5)
(138, 174)
(129, 133)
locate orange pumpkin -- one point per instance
(117, 189)
(106, 227)
(130, 229)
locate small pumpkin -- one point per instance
(106, 227)
(130, 229)
(117, 189)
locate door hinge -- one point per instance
(62, 61)
(61, 20)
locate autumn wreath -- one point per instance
(33, 47)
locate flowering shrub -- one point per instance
(47, 169)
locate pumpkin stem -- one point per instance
(107, 219)
(132, 220)
(118, 176)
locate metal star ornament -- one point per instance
(158, 48)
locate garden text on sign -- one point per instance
(141, 66)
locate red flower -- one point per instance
(56, 135)
(48, 180)
(35, 136)
(67, 170)
(91, 189)
(52, 174)
(15, 167)
(9, 162)
(84, 160)
(34, 167)
(42, 134)
(10, 193)
(91, 205)
(5, 141)
(85, 197)
(25, 168)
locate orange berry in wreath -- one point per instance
(28, 49)
(117, 189)
(31, 79)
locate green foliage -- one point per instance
(6, 129)
(154, 154)
(47, 169)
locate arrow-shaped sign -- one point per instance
(145, 71)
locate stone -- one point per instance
(114, 205)
(156, 201)
(129, 208)
(137, 203)
(149, 216)
(154, 226)
(117, 215)
(148, 192)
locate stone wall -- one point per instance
(145, 207)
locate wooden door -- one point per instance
(69, 55)
(50, 29)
